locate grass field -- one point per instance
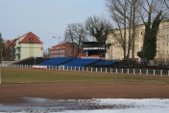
(20, 75)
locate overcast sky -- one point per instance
(46, 18)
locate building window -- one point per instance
(31, 40)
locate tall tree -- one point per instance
(75, 33)
(150, 41)
(98, 27)
(151, 28)
(124, 13)
(2, 47)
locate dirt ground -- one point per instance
(13, 93)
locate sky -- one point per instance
(46, 18)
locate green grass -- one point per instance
(11, 75)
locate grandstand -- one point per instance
(66, 62)
(31, 61)
(56, 61)
(80, 62)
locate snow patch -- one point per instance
(41, 105)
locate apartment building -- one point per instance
(162, 56)
(28, 45)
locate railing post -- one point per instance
(147, 72)
(161, 72)
(116, 70)
(133, 71)
(96, 69)
(101, 69)
(154, 73)
(140, 71)
(111, 70)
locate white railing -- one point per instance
(140, 71)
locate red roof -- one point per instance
(33, 36)
(60, 46)
(10, 42)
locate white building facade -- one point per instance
(28, 45)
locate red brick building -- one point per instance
(10, 50)
(62, 50)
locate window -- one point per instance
(163, 44)
(31, 40)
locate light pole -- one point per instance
(1, 66)
(58, 45)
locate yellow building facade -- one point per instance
(162, 56)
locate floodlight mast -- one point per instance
(58, 45)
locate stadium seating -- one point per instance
(66, 61)
(80, 62)
(56, 61)
(31, 61)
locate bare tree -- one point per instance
(163, 5)
(133, 21)
(75, 33)
(98, 27)
(124, 13)
(2, 46)
(165, 2)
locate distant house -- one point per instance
(28, 45)
(62, 50)
(10, 50)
